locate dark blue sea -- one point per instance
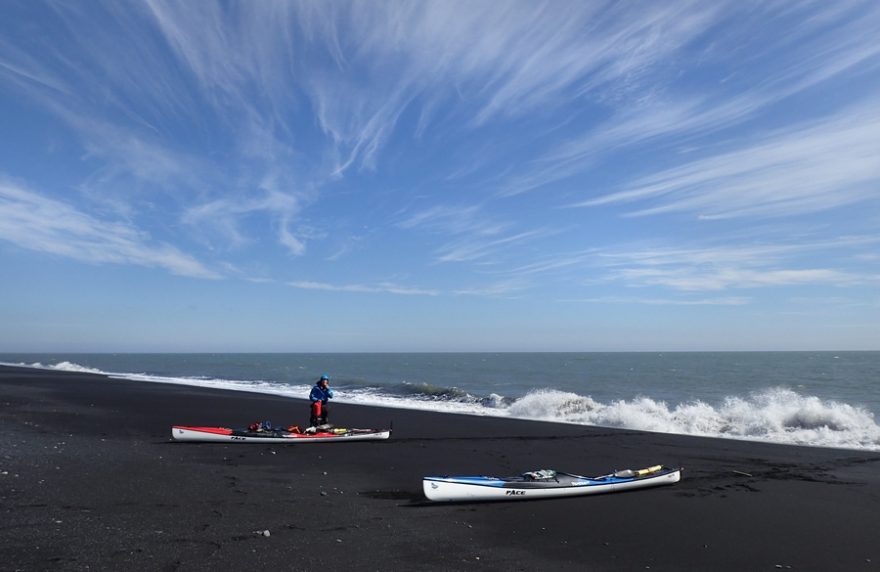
(825, 399)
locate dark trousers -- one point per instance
(319, 412)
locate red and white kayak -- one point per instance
(224, 435)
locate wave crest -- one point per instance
(776, 414)
(70, 366)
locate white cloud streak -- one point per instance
(475, 234)
(721, 268)
(382, 288)
(34, 222)
(510, 288)
(470, 249)
(468, 219)
(723, 278)
(481, 61)
(799, 170)
(725, 301)
(823, 52)
(521, 55)
(130, 102)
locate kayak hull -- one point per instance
(224, 435)
(479, 488)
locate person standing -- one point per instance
(319, 396)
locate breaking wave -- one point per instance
(776, 414)
(428, 392)
(68, 366)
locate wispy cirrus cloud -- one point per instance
(730, 267)
(381, 288)
(126, 79)
(724, 301)
(720, 278)
(35, 222)
(831, 41)
(549, 54)
(358, 132)
(800, 169)
(509, 288)
(447, 219)
(470, 249)
(701, 268)
(27, 74)
(555, 263)
(239, 57)
(145, 165)
(827, 302)
(234, 119)
(476, 63)
(134, 162)
(202, 134)
(224, 215)
(499, 289)
(469, 232)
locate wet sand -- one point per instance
(90, 480)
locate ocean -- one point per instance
(824, 399)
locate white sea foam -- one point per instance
(68, 366)
(258, 386)
(494, 400)
(778, 415)
(60, 366)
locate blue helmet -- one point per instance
(325, 377)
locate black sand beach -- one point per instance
(90, 480)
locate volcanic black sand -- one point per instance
(90, 480)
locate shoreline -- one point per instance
(90, 478)
(853, 439)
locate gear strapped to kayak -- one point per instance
(264, 433)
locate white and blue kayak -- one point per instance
(544, 484)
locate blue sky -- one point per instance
(439, 176)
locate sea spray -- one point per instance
(69, 366)
(776, 414)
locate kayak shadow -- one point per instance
(413, 498)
